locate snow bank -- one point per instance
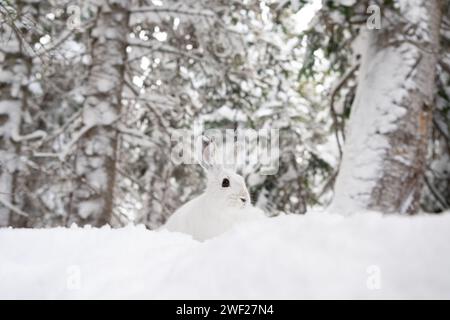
(313, 256)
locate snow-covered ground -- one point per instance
(313, 256)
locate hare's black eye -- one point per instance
(225, 183)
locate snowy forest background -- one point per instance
(91, 91)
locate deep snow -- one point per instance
(313, 256)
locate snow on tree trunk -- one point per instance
(385, 151)
(96, 153)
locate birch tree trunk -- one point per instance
(96, 153)
(385, 151)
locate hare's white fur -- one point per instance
(216, 210)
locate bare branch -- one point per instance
(436, 194)
(334, 92)
(189, 12)
(13, 208)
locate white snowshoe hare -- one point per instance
(224, 203)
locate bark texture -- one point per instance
(385, 151)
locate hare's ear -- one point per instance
(208, 156)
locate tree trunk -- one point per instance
(96, 153)
(385, 151)
(15, 69)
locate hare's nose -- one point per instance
(244, 200)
